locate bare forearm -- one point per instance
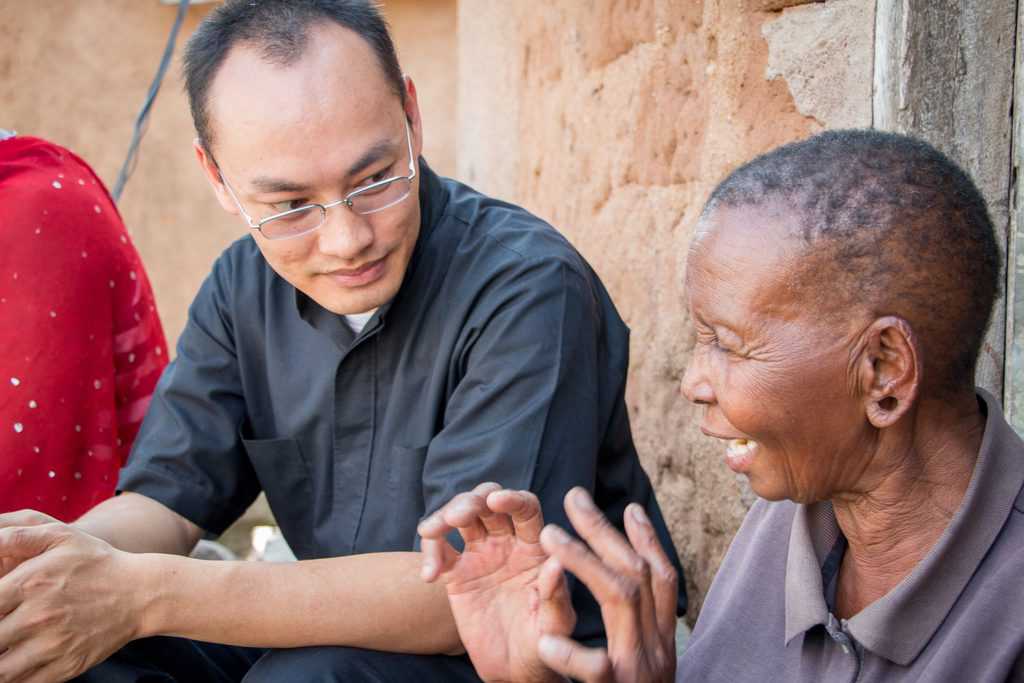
(374, 601)
(137, 524)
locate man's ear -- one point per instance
(212, 174)
(412, 114)
(889, 370)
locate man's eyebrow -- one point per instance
(271, 185)
(371, 156)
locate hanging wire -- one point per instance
(142, 120)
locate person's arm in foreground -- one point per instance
(510, 603)
(74, 594)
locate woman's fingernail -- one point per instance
(556, 534)
(582, 499)
(547, 646)
(638, 514)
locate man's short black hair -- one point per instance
(280, 30)
(892, 223)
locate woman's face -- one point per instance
(773, 366)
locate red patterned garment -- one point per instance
(81, 347)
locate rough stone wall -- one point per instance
(424, 34)
(613, 119)
(76, 72)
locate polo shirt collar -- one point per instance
(899, 625)
(433, 201)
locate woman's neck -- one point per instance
(891, 527)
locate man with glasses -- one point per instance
(381, 341)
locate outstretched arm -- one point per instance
(137, 524)
(71, 599)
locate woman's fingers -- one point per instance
(557, 615)
(588, 568)
(569, 658)
(619, 595)
(664, 578)
(603, 538)
(551, 580)
(615, 551)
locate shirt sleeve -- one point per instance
(526, 409)
(188, 454)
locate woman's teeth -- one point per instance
(741, 446)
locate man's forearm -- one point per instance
(137, 524)
(374, 601)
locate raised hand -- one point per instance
(65, 601)
(504, 591)
(636, 586)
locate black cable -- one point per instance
(142, 119)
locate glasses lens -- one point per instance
(382, 196)
(293, 223)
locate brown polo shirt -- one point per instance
(958, 616)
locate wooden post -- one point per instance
(1014, 391)
(944, 73)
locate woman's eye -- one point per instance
(719, 346)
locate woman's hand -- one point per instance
(636, 586)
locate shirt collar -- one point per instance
(433, 201)
(899, 625)
(433, 204)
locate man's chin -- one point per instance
(354, 302)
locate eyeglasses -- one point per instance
(375, 197)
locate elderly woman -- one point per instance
(840, 288)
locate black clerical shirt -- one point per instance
(501, 358)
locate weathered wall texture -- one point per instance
(823, 51)
(944, 72)
(613, 119)
(76, 72)
(424, 33)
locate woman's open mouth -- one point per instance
(739, 453)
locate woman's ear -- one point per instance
(889, 370)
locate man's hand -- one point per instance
(20, 518)
(65, 603)
(636, 586)
(504, 591)
(511, 605)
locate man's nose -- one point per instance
(345, 233)
(695, 386)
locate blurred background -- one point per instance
(612, 119)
